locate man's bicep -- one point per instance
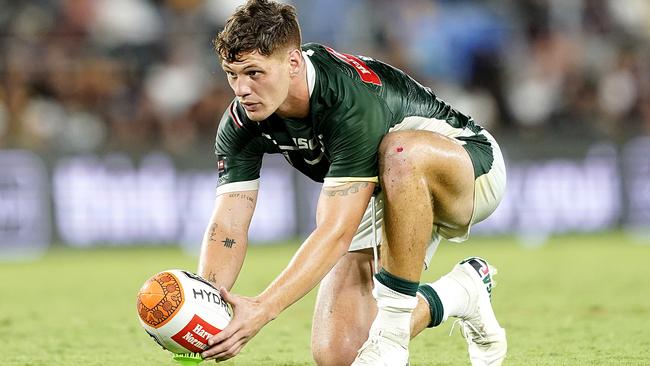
(341, 205)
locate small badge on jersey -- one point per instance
(221, 166)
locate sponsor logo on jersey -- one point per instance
(364, 71)
(305, 144)
(312, 150)
(194, 336)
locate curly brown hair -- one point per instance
(259, 25)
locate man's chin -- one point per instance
(257, 116)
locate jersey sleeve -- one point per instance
(353, 130)
(239, 155)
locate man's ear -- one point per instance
(295, 61)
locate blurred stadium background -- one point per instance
(108, 111)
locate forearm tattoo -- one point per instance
(213, 232)
(228, 243)
(242, 196)
(212, 277)
(344, 190)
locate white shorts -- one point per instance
(489, 189)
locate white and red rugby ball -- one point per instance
(181, 310)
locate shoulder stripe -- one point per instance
(234, 115)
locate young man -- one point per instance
(396, 162)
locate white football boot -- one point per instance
(486, 339)
(384, 348)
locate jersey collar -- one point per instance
(311, 73)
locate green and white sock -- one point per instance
(395, 301)
(446, 298)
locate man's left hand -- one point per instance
(249, 316)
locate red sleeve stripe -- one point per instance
(233, 114)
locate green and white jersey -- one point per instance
(354, 101)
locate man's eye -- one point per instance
(253, 73)
(231, 74)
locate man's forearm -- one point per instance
(222, 255)
(315, 258)
(226, 238)
(340, 209)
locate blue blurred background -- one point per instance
(108, 111)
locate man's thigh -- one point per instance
(410, 158)
(344, 310)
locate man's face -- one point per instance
(261, 83)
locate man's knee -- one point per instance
(402, 154)
(333, 351)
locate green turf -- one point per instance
(581, 300)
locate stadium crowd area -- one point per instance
(136, 75)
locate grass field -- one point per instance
(579, 300)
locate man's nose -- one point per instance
(241, 87)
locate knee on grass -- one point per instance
(333, 352)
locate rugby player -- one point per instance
(400, 169)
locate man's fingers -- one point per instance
(227, 296)
(221, 336)
(219, 342)
(224, 349)
(233, 327)
(232, 351)
(224, 339)
(229, 342)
